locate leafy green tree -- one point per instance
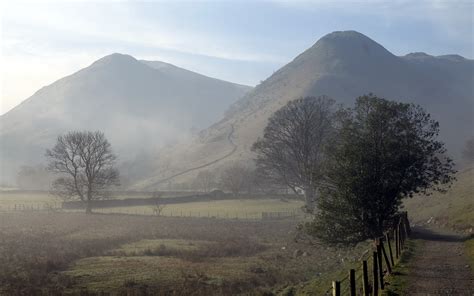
(386, 151)
(292, 150)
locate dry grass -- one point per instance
(235, 208)
(453, 209)
(74, 252)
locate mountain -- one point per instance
(139, 105)
(342, 65)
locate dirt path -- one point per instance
(232, 144)
(440, 265)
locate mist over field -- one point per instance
(227, 148)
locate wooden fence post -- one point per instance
(405, 227)
(387, 237)
(389, 268)
(407, 223)
(336, 288)
(365, 278)
(352, 278)
(375, 275)
(402, 239)
(379, 262)
(400, 234)
(397, 245)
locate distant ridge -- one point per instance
(140, 105)
(343, 65)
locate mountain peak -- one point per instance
(158, 64)
(350, 44)
(342, 52)
(452, 57)
(115, 58)
(418, 56)
(350, 34)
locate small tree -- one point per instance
(86, 164)
(235, 178)
(205, 181)
(468, 152)
(386, 151)
(158, 204)
(292, 150)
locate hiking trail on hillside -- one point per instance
(234, 148)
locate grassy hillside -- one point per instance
(453, 209)
(331, 67)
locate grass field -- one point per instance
(71, 252)
(236, 208)
(244, 208)
(8, 199)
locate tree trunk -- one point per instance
(309, 195)
(89, 200)
(88, 207)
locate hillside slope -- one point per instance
(343, 65)
(140, 105)
(453, 209)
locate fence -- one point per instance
(150, 211)
(368, 278)
(36, 206)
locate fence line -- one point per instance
(251, 215)
(371, 270)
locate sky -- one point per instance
(238, 41)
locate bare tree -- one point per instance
(235, 178)
(158, 205)
(205, 181)
(86, 164)
(292, 149)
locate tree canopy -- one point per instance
(85, 163)
(292, 150)
(385, 151)
(236, 178)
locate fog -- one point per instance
(133, 176)
(138, 107)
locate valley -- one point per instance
(237, 148)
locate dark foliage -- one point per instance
(385, 151)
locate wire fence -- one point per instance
(368, 277)
(289, 213)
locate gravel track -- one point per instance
(440, 266)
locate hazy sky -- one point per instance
(239, 41)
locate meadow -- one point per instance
(195, 248)
(72, 253)
(229, 209)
